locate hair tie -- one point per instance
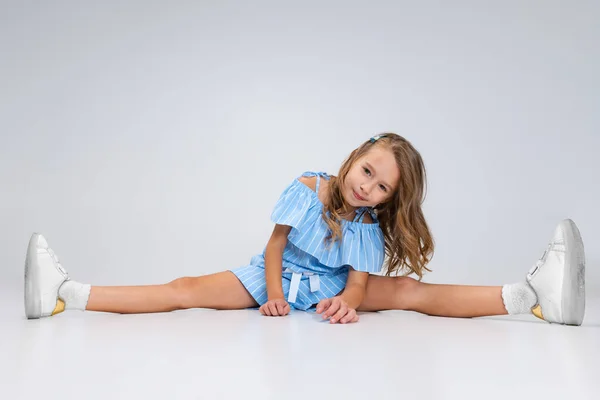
(377, 137)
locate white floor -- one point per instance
(206, 354)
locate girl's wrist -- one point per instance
(352, 300)
(275, 295)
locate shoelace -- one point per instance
(541, 260)
(56, 261)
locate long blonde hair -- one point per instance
(408, 242)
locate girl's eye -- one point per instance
(383, 188)
(367, 171)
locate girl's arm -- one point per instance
(273, 261)
(355, 289)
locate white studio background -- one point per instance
(150, 140)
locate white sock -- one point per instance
(74, 294)
(518, 298)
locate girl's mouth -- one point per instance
(357, 197)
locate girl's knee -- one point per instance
(181, 284)
(406, 292)
(182, 291)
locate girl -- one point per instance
(330, 233)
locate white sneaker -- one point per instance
(558, 277)
(43, 277)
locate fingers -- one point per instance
(283, 308)
(323, 305)
(351, 316)
(334, 307)
(264, 310)
(343, 310)
(337, 310)
(275, 308)
(344, 316)
(280, 308)
(272, 308)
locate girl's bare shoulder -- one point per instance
(311, 182)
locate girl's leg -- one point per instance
(222, 290)
(49, 291)
(404, 293)
(553, 290)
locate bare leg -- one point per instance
(222, 290)
(404, 293)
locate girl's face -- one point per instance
(372, 179)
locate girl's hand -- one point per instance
(275, 308)
(337, 309)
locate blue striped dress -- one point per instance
(313, 270)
